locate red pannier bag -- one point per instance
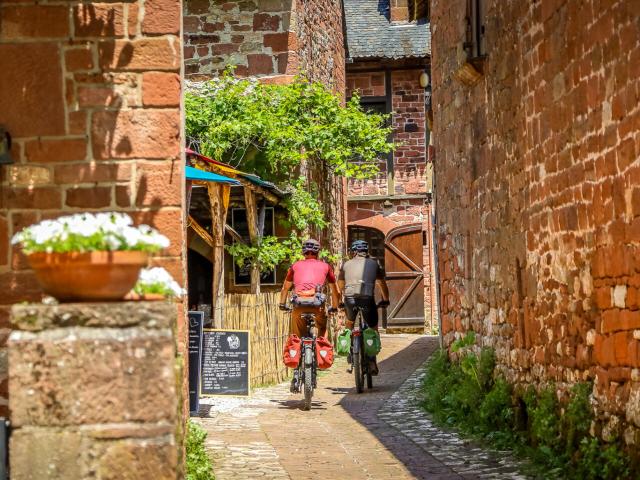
(292, 349)
(324, 353)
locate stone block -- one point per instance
(61, 461)
(29, 175)
(78, 59)
(160, 89)
(136, 134)
(98, 20)
(197, 7)
(161, 17)
(32, 103)
(76, 376)
(56, 150)
(34, 21)
(37, 317)
(266, 22)
(40, 197)
(141, 54)
(158, 183)
(88, 197)
(92, 172)
(133, 460)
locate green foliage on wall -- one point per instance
(469, 395)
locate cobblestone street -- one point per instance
(380, 434)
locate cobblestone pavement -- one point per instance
(380, 434)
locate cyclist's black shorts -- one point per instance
(369, 309)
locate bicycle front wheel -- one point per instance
(357, 365)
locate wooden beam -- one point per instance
(254, 234)
(217, 193)
(235, 235)
(202, 233)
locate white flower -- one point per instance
(158, 277)
(84, 232)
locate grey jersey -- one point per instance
(360, 275)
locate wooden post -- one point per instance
(254, 233)
(217, 194)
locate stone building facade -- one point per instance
(388, 51)
(90, 95)
(537, 134)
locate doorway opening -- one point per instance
(373, 237)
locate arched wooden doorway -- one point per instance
(405, 276)
(400, 252)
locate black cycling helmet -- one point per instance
(360, 246)
(311, 246)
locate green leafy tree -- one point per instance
(271, 130)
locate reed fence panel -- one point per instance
(269, 329)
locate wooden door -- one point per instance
(404, 275)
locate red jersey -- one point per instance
(308, 274)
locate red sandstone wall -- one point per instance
(90, 93)
(538, 197)
(411, 165)
(273, 40)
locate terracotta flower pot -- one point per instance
(92, 276)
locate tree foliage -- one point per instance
(271, 130)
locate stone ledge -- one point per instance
(36, 317)
(76, 454)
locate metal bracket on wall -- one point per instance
(5, 147)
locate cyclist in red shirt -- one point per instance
(308, 277)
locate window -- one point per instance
(382, 105)
(418, 10)
(242, 275)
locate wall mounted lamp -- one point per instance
(5, 147)
(424, 79)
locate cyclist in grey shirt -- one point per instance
(357, 281)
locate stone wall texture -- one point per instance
(94, 392)
(90, 93)
(412, 164)
(271, 39)
(538, 200)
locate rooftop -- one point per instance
(370, 33)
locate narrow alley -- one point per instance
(382, 434)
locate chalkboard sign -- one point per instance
(225, 362)
(196, 322)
